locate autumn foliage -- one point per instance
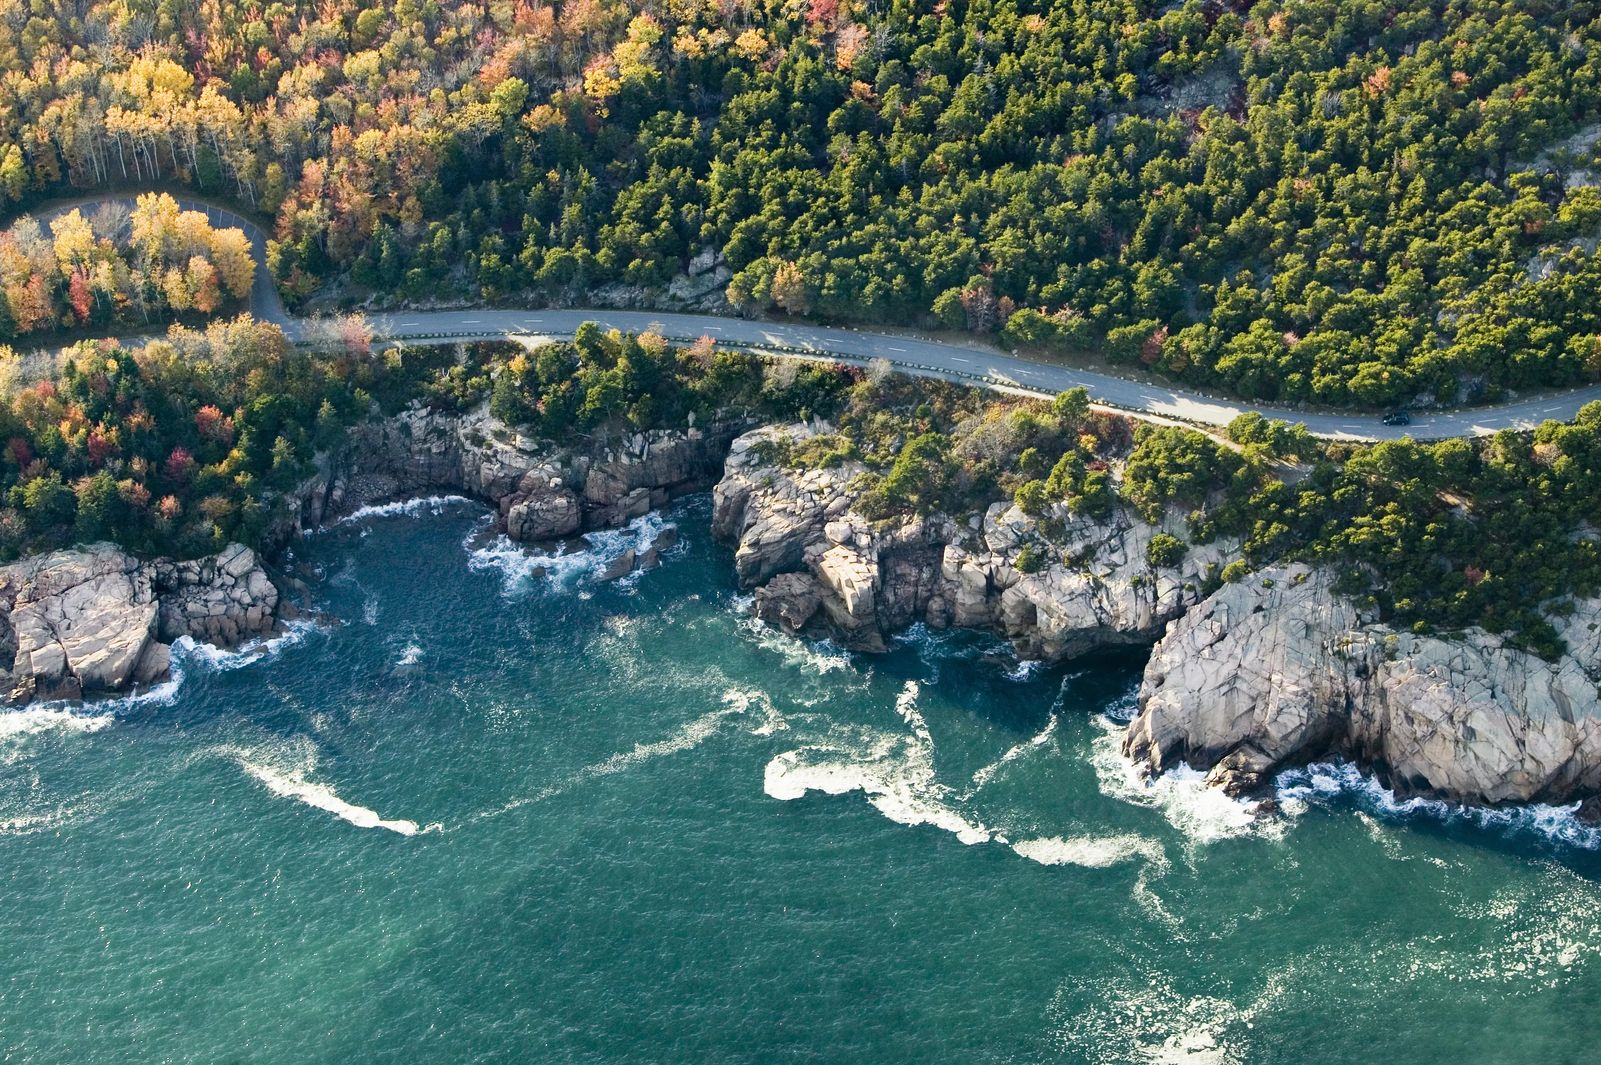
(118, 266)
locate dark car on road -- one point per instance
(1398, 417)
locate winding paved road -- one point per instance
(929, 358)
(988, 368)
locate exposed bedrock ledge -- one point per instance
(541, 490)
(818, 567)
(1278, 669)
(1268, 672)
(95, 620)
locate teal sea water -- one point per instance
(488, 816)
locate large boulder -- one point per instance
(1278, 669)
(82, 621)
(543, 509)
(220, 600)
(95, 620)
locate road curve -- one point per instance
(928, 358)
(265, 302)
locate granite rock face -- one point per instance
(219, 600)
(1250, 677)
(1279, 669)
(858, 581)
(95, 620)
(541, 490)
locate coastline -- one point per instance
(816, 568)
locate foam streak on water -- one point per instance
(736, 703)
(285, 770)
(292, 785)
(402, 508)
(984, 775)
(894, 772)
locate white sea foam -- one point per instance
(894, 772)
(402, 508)
(188, 652)
(1203, 814)
(1092, 852)
(285, 772)
(293, 785)
(17, 727)
(1325, 783)
(1025, 670)
(987, 773)
(520, 565)
(811, 656)
(32, 821)
(735, 703)
(891, 786)
(1140, 1018)
(410, 655)
(687, 738)
(68, 716)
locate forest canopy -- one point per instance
(1352, 203)
(116, 265)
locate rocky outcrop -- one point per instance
(541, 491)
(1246, 678)
(1087, 584)
(1279, 669)
(220, 600)
(95, 620)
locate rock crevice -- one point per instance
(95, 620)
(1245, 678)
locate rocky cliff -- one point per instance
(1245, 679)
(541, 491)
(94, 620)
(819, 567)
(1279, 669)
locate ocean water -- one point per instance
(483, 814)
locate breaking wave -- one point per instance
(520, 566)
(1203, 814)
(17, 727)
(402, 508)
(816, 657)
(1327, 783)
